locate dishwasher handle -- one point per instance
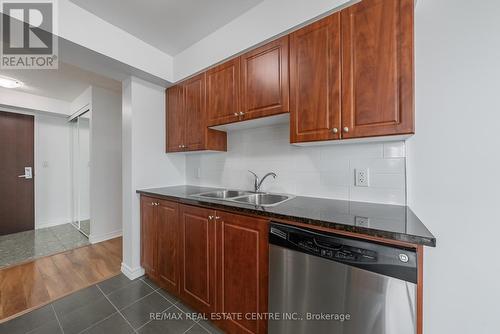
(327, 244)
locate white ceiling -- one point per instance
(169, 25)
(65, 83)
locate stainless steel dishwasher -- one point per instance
(326, 283)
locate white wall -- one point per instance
(145, 163)
(318, 171)
(260, 23)
(33, 103)
(81, 27)
(52, 171)
(105, 165)
(451, 158)
(86, 29)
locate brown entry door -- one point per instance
(17, 199)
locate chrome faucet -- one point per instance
(258, 182)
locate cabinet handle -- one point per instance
(210, 217)
(235, 114)
(180, 146)
(335, 130)
(217, 217)
(346, 129)
(242, 113)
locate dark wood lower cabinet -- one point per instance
(149, 241)
(242, 271)
(198, 258)
(214, 261)
(168, 245)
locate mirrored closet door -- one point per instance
(80, 161)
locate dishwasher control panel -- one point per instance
(341, 252)
(385, 259)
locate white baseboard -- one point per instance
(39, 225)
(132, 273)
(93, 239)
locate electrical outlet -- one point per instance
(362, 221)
(362, 177)
(198, 172)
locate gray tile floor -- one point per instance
(29, 245)
(117, 305)
(85, 226)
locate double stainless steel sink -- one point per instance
(246, 197)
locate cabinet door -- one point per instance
(223, 90)
(149, 239)
(168, 245)
(377, 39)
(176, 119)
(242, 274)
(264, 80)
(198, 258)
(194, 106)
(315, 77)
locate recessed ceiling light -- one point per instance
(10, 83)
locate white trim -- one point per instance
(355, 140)
(36, 185)
(51, 223)
(254, 123)
(132, 273)
(103, 237)
(79, 112)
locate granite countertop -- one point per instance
(393, 222)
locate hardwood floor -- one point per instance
(33, 284)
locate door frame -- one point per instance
(7, 109)
(36, 114)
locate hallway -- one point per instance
(33, 284)
(24, 246)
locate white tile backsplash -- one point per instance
(319, 171)
(395, 149)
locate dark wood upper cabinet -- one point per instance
(195, 110)
(264, 80)
(377, 98)
(198, 257)
(168, 230)
(315, 78)
(223, 93)
(149, 241)
(348, 75)
(242, 272)
(176, 119)
(187, 116)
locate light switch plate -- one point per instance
(362, 221)
(362, 177)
